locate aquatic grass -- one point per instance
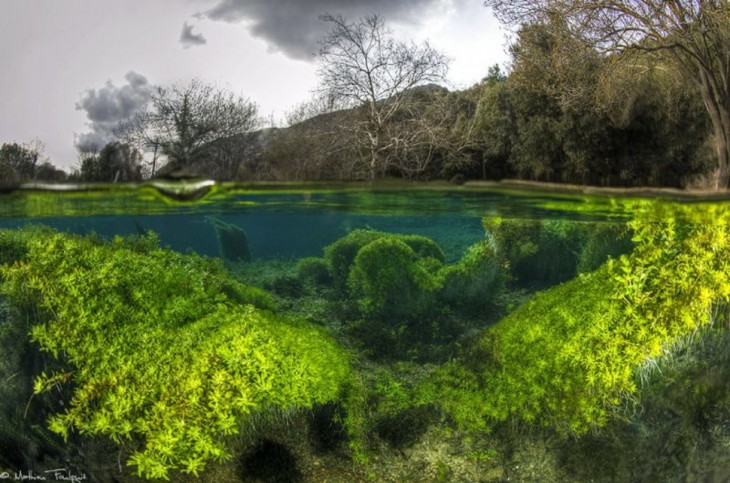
(569, 357)
(165, 353)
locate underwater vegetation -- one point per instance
(411, 303)
(403, 301)
(543, 253)
(341, 255)
(314, 271)
(165, 353)
(568, 358)
(379, 344)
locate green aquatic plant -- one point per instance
(164, 353)
(539, 252)
(542, 253)
(390, 280)
(14, 243)
(410, 305)
(314, 271)
(603, 241)
(400, 313)
(286, 285)
(569, 356)
(380, 406)
(341, 254)
(472, 285)
(232, 241)
(23, 442)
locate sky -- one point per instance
(73, 68)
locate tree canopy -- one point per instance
(694, 34)
(20, 163)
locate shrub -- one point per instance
(164, 352)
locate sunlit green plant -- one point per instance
(14, 243)
(569, 357)
(341, 254)
(165, 353)
(391, 280)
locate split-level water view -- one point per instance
(395, 333)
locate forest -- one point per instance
(646, 104)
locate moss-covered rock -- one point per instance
(232, 241)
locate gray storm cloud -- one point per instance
(293, 26)
(106, 106)
(189, 39)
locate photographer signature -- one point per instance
(58, 474)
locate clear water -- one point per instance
(674, 427)
(296, 222)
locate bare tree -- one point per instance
(362, 65)
(695, 33)
(188, 123)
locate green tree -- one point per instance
(694, 35)
(115, 162)
(494, 128)
(18, 162)
(585, 121)
(48, 172)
